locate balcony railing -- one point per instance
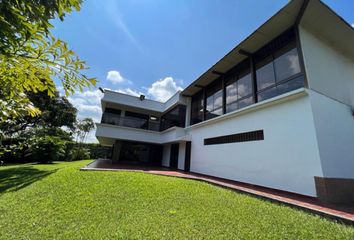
(132, 122)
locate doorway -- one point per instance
(174, 155)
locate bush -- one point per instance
(46, 149)
(81, 153)
(13, 150)
(98, 151)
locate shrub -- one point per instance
(46, 149)
(81, 153)
(13, 150)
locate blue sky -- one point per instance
(157, 47)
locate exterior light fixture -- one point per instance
(101, 89)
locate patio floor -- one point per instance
(341, 213)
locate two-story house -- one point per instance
(276, 111)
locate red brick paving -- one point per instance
(343, 214)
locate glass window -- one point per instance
(238, 92)
(136, 120)
(214, 100)
(197, 108)
(231, 107)
(265, 73)
(245, 102)
(291, 85)
(231, 93)
(269, 93)
(287, 65)
(174, 118)
(244, 86)
(218, 99)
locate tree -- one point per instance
(30, 57)
(83, 127)
(56, 112)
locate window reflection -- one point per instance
(277, 71)
(281, 75)
(244, 86)
(214, 100)
(239, 92)
(265, 74)
(287, 65)
(197, 108)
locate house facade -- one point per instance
(276, 111)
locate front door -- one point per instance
(174, 156)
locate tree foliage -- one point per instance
(56, 112)
(30, 57)
(83, 127)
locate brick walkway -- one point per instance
(344, 214)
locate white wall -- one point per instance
(181, 155)
(329, 71)
(166, 155)
(287, 159)
(334, 124)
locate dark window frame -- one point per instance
(277, 45)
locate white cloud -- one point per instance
(353, 25)
(115, 77)
(88, 104)
(163, 89)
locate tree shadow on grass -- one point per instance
(14, 179)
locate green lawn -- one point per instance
(57, 201)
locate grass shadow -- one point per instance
(14, 179)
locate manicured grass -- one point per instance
(57, 201)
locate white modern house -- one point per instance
(276, 111)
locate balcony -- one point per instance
(131, 122)
(108, 133)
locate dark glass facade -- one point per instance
(271, 71)
(197, 110)
(174, 118)
(141, 153)
(239, 91)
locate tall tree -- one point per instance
(83, 127)
(56, 112)
(30, 57)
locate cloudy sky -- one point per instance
(157, 47)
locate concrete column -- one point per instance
(116, 151)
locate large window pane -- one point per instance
(245, 102)
(214, 113)
(218, 99)
(244, 86)
(214, 100)
(269, 93)
(175, 117)
(210, 103)
(291, 85)
(265, 74)
(197, 108)
(231, 107)
(287, 65)
(231, 93)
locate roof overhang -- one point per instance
(280, 22)
(323, 22)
